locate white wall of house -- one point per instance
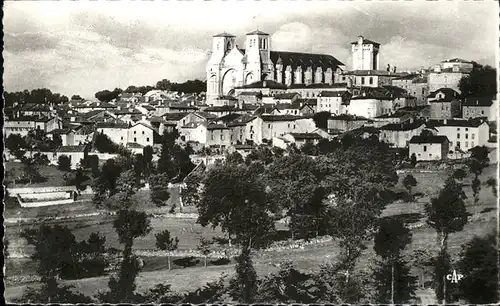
(399, 139)
(480, 111)
(141, 134)
(117, 135)
(426, 151)
(468, 137)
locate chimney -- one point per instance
(264, 84)
(445, 121)
(360, 40)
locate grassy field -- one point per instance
(309, 259)
(188, 232)
(54, 177)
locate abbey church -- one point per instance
(230, 66)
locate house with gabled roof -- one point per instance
(429, 147)
(477, 107)
(462, 134)
(399, 134)
(445, 104)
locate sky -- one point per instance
(82, 47)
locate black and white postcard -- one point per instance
(224, 152)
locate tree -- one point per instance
(163, 84)
(459, 174)
(234, 158)
(481, 82)
(413, 160)
(205, 248)
(393, 281)
(129, 224)
(64, 163)
(288, 285)
(104, 144)
(479, 266)
(234, 198)
(244, 286)
(54, 249)
(16, 144)
(106, 95)
(492, 182)
(478, 161)
(357, 179)
(52, 293)
(174, 160)
(77, 178)
(446, 214)
(158, 184)
(309, 148)
(409, 181)
(41, 159)
(126, 187)
(165, 243)
(294, 186)
(30, 170)
(76, 97)
(147, 152)
(321, 119)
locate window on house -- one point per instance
(121, 138)
(135, 132)
(458, 135)
(406, 135)
(430, 154)
(289, 125)
(142, 132)
(472, 136)
(147, 139)
(212, 136)
(294, 126)
(425, 148)
(458, 144)
(135, 139)
(482, 112)
(466, 129)
(371, 80)
(472, 144)
(362, 81)
(269, 126)
(466, 136)
(466, 144)
(458, 129)
(222, 137)
(419, 154)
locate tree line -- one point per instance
(188, 87)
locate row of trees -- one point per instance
(190, 86)
(36, 96)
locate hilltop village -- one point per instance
(282, 177)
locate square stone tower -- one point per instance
(365, 54)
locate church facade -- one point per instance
(230, 67)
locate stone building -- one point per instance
(365, 54)
(230, 66)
